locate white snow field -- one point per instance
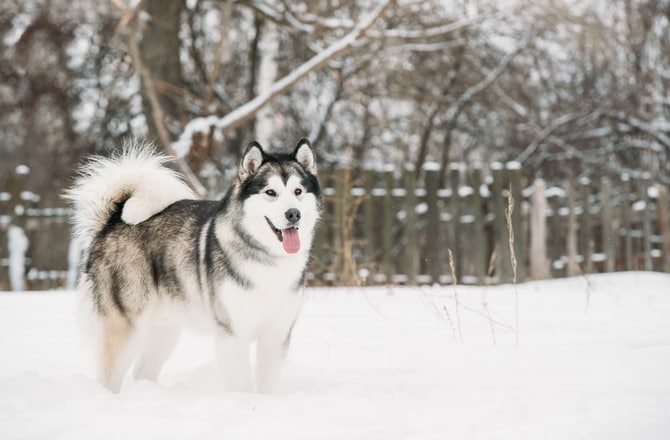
(592, 362)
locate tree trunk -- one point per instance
(159, 50)
(267, 75)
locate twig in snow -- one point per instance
(451, 323)
(428, 302)
(485, 306)
(589, 289)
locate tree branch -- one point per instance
(248, 111)
(542, 134)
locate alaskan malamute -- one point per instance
(153, 256)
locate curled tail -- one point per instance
(136, 178)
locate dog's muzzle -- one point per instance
(288, 237)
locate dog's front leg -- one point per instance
(233, 354)
(273, 344)
(272, 348)
(270, 354)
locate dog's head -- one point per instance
(281, 197)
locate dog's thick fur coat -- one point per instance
(155, 258)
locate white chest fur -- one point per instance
(270, 301)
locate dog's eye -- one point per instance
(271, 192)
(298, 191)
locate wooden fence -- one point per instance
(393, 227)
(34, 237)
(402, 227)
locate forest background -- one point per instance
(571, 92)
(568, 88)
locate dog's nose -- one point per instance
(292, 215)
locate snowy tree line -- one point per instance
(570, 89)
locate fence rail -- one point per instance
(401, 227)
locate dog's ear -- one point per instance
(304, 155)
(251, 161)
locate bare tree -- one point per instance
(370, 81)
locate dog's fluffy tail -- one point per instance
(137, 176)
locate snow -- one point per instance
(421, 208)
(375, 363)
(465, 191)
(18, 245)
(513, 165)
(74, 252)
(22, 170)
(198, 125)
(555, 191)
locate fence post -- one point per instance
(5, 220)
(17, 240)
(338, 222)
(369, 224)
(664, 220)
(455, 210)
(433, 223)
(539, 263)
(318, 266)
(503, 265)
(387, 225)
(411, 252)
(626, 218)
(572, 268)
(585, 238)
(646, 221)
(609, 244)
(555, 237)
(479, 243)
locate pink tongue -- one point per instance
(291, 240)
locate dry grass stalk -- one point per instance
(454, 280)
(345, 264)
(510, 228)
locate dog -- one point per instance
(155, 258)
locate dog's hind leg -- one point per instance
(157, 346)
(116, 353)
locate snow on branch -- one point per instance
(248, 111)
(283, 13)
(558, 122)
(436, 31)
(654, 130)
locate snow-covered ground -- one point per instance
(592, 362)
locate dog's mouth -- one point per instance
(288, 237)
